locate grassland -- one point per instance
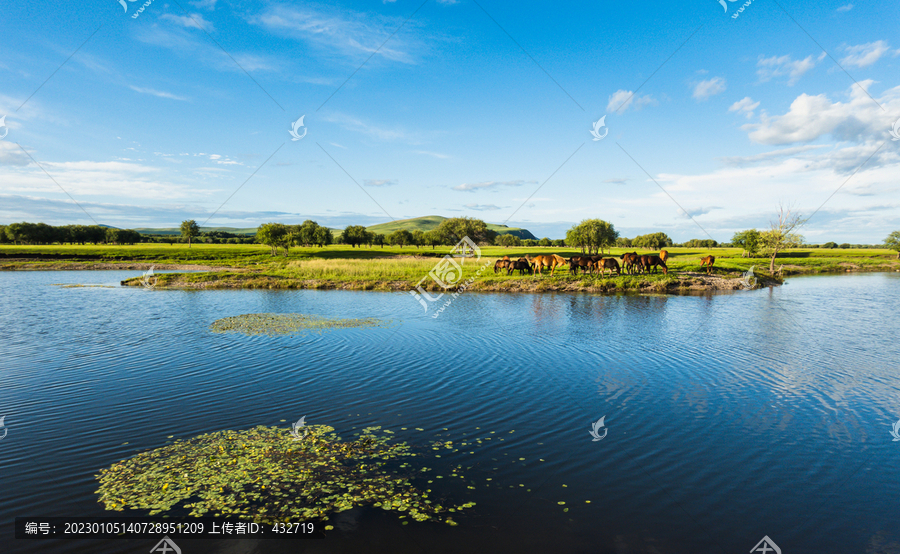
(430, 222)
(393, 268)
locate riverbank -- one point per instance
(401, 269)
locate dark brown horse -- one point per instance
(708, 262)
(630, 260)
(522, 266)
(583, 263)
(650, 262)
(610, 264)
(501, 264)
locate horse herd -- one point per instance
(632, 263)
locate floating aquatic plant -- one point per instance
(287, 324)
(265, 475)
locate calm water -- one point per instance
(729, 416)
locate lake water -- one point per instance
(728, 416)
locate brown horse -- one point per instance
(630, 260)
(610, 264)
(650, 262)
(552, 261)
(501, 264)
(708, 262)
(522, 266)
(580, 262)
(663, 255)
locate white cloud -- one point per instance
(709, 87)
(158, 93)
(864, 55)
(777, 66)
(344, 32)
(746, 105)
(192, 21)
(812, 117)
(468, 187)
(352, 123)
(740, 161)
(625, 99)
(618, 181)
(845, 8)
(379, 182)
(482, 207)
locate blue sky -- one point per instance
(478, 109)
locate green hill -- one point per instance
(429, 222)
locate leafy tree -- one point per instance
(354, 235)
(701, 243)
(454, 229)
(274, 235)
(529, 242)
(893, 242)
(418, 238)
(544, 242)
(593, 235)
(401, 237)
(845, 245)
(748, 240)
(508, 240)
(433, 238)
(189, 230)
(623, 242)
(653, 241)
(781, 235)
(830, 245)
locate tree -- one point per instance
(454, 229)
(559, 242)
(748, 240)
(508, 240)
(354, 235)
(593, 234)
(189, 230)
(323, 237)
(781, 235)
(529, 242)
(623, 242)
(433, 238)
(401, 237)
(418, 238)
(653, 241)
(893, 242)
(544, 241)
(274, 235)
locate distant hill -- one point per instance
(429, 222)
(177, 231)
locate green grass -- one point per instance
(395, 268)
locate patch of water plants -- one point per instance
(288, 324)
(265, 474)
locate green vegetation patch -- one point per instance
(287, 324)
(266, 475)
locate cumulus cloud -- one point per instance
(746, 105)
(624, 99)
(811, 117)
(709, 87)
(777, 66)
(864, 55)
(488, 185)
